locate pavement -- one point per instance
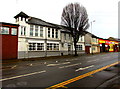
(111, 83)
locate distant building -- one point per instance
(9, 40)
(91, 43)
(108, 45)
(38, 38)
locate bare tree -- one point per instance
(75, 17)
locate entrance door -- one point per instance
(87, 49)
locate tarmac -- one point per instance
(113, 83)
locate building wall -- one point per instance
(9, 44)
(64, 40)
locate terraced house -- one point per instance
(38, 38)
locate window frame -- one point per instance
(41, 31)
(6, 29)
(14, 30)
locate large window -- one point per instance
(23, 30)
(31, 30)
(52, 46)
(40, 46)
(13, 31)
(36, 46)
(41, 31)
(65, 36)
(36, 30)
(79, 47)
(4, 30)
(56, 33)
(52, 33)
(48, 32)
(32, 46)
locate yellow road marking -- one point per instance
(62, 84)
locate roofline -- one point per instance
(6, 23)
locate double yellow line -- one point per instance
(62, 84)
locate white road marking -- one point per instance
(75, 59)
(45, 63)
(105, 57)
(13, 66)
(70, 65)
(85, 68)
(23, 75)
(58, 64)
(93, 60)
(56, 61)
(91, 57)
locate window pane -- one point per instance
(52, 33)
(36, 30)
(14, 31)
(41, 31)
(56, 33)
(48, 32)
(23, 30)
(5, 30)
(31, 30)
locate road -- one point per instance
(81, 71)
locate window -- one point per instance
(41, 31)
(5, 30)
(56, 33)
(62, 44)
(40, 46)
(36, 46)
(32, 46)
(23, 30)
(36, 30)
(94, 40)
(79, 47)
(48, 32)
(65, 36)
(69, 36)
(14, 31)
(31, 30)
(52, 46)
(81, 38)
(52, 33)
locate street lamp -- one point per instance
(91, 33)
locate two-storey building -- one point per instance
(91, 43)
(38, 38)
(8, 40)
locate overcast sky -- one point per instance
(104, 12)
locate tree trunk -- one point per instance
(75, 44)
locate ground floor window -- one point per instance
(52, 46)
(36, 46)
(79, 47)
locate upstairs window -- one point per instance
(41, 31)
(23, 30)
(56, 33)
(48, 32)
(31, 30)
(14, 31)
(36, 30)
(4, 30)
(52, 33)
(65, 36)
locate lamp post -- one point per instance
(92, 38)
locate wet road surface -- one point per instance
(48, 73)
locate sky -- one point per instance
(104, 12)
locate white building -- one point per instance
(38, 38)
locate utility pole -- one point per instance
(92, 38)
